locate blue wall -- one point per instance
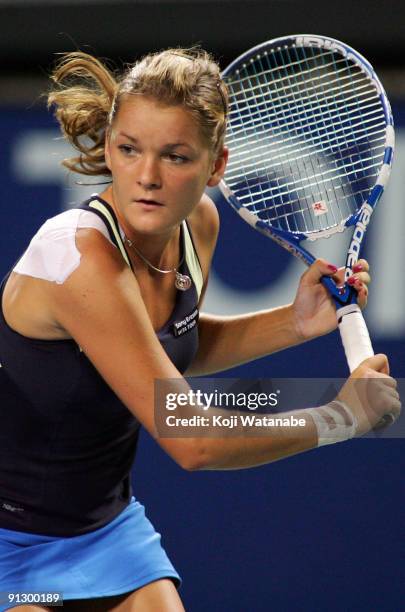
(321, 531)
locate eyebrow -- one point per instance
(166, 146)
(127, 136)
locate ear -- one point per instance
(218, 169)
(107, 155)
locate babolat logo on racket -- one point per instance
(358, 235)
(319, 208)
(325, 43)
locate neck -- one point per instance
(161, 250)
(151, 266)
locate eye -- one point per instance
(175, 158)
(126, 149)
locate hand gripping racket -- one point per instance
(311, 140)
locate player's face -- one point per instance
(160, 165)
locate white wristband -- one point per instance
(334, 422)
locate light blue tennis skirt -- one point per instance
(122, 556)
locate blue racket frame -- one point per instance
(344, 295)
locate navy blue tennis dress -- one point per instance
(68, 520)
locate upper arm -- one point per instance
(101, 307)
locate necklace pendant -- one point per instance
(182, 282)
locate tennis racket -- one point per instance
(311, 141)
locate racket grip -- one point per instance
(355, 337)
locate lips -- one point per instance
(149, 202)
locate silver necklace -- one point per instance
(182, 281)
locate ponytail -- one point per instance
(83, 96)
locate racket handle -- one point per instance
(357, 344)
(354, 333)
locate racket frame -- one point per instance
(345, 295)
(354, 333)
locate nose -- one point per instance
(148, 173)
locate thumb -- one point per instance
(379, 363)
(319, 268)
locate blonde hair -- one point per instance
(87, 97)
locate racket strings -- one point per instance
(337, 140)
(295, 66)
(302, 110)
(312, 179)
(306, 130)
(307, 123)
(273, 193)
(340, 114)
(341, 120)
(306, 152)
(289, 91)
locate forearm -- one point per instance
(212, 438)
(243, 450)
(226, 342)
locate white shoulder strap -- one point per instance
(192, 260)
(97, 205)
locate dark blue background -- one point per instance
(321, 531)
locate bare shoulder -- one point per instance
(97, 251)
(100, 281)
(204, 225)
(30, 291)
(204, 221)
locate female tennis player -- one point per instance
(104, 301)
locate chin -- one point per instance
(151, 225)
